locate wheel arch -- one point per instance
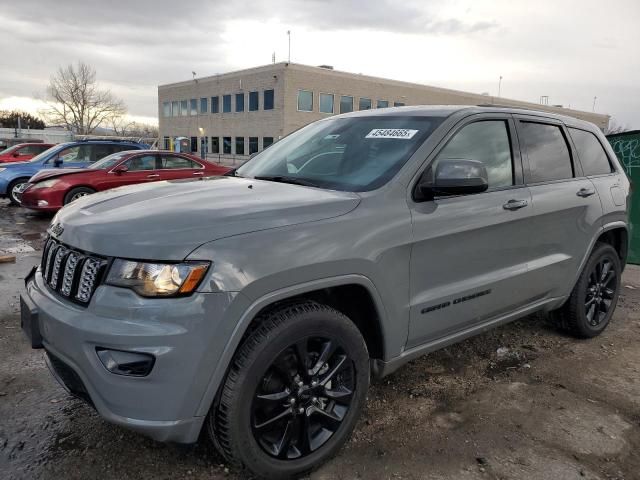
(331, 291)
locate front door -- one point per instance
(566, 206)
(470, 253)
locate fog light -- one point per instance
(43, 203)
(132, 364)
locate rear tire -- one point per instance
(76, 193)
(12, 190)
(280, 416)
(593, 300)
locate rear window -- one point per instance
(593, 158)
(548, 152)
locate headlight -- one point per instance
(157, 279)
(45, 184)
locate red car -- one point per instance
(23, 151)
(51, 189)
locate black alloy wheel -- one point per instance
(303, 398)
(600, 291)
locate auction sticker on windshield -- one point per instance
(401, 133)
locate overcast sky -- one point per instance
(571, 51)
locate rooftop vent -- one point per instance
(328, 67)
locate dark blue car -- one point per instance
(80, 154)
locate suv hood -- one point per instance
(167, 220)
(56, 172)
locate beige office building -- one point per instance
(233, 115)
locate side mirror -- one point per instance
(57, 162)
(120, 169)
(456, 177)
(16, 154)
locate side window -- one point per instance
(487, 142)
(120, 148)
(101, 151)
(145, 162)
(548, 152)
(76, 154)
(173, 162)
(593, 158)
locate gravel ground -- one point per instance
(520, 402)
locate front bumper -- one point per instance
(180, 333)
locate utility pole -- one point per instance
(593, 108)
(499, 85)
(289, 35)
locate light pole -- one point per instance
(499, 85)
(289, 35)
(593, 108)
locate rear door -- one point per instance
(176, 166)
(470, 253)
(566, 205)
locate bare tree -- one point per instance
(615, 127)
(75, 100)
(124, 127)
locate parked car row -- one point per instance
(65, 172)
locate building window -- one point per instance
(239, 145)
(226, 103)
(346, 104)
(382, 104)
(167, 143)
(204, 105)
(268, 100)
(184, 107)
(398, 104)
(175, 109)
(305, 101)
(267, 142)
(254, 101)
(194, 144)
(204, 145)
(215, 107)
(365, 104)
(166, 109)
(226, 145)
(215, 144)
(194, 107)
(239, 102)
(326, 102)
(253, 145)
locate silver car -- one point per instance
(259, 304)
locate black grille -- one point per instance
(70, 378)
(70, 273)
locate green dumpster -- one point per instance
(627, 148)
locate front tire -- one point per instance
(293, 393)
(593, 300)
(76, 193)
(15, 189)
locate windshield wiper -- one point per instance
(285, 179)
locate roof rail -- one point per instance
(110, 139)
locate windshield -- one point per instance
(43, 155)
(8, 150)
(108, 161)
(352, 154)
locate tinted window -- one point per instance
(239, 102)
(175, 109)
(215, 145)
(239, 145)
(194, 144)
(226, 145)
(204, 105)
(398, 104)
(267, 142)
(268, 99)
(214, 105)
(383, 104)
(193, 103)
(305, 101)
(76, 154)
(226, 103)
(145, 162)
(253, 145)
(166, 109)
(546, 147)
(107, 162)
(346, 104)
(487, 142)
(101, 151)
(253, 101)
(593, 158)
(174, 162)
(326, 103)
(184, 107)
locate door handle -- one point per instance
(515, 204)
(153, 175)
(585, 192)
(198, 173)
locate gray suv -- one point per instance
(257, 305)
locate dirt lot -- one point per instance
(520, 402)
